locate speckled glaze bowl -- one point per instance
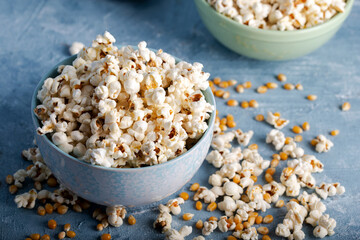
(131, 187)
(268, 44)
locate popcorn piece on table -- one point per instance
(243, 138)
(116, 215)
(329, 189)
(209, 227)
(76, 47)
(276, 121)
(277, 138)
(164, 219)
(174, 205)
(172, 234)
(322, 144)
(26, 200)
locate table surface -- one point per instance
(35, 35)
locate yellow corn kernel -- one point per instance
(217, 80)
(232, 103)
(199, 224)
(188, 216)
(276, 156)
(184, 195)
(131, 220)
(289, 86)
(223, 84)
(346, 106)
(267, 197)
(226, 95)
(262, 89)
(219, 93)
(253, 146)
(298, 138)
(271, 85)
(246, 225)
(231, 124)
(288, 140)
(198, 205)
(274, 163)
(236, 179)
(194, 187)
(229, 117)
(258, 219)
(281, 77)
(297, 129)
(253, 103)
(268, 219)
(247, 84)
(266, 237)
(259, 117)
(211, 207)
(213, 218)
(239, 227)
(263, 230)
(232, 82)
(334, 132)
(311, 97)
(276, 114)
(268, 178)
(279, 203)
(270, 171)
(240, 88)
(306, 126)
(313, 142)
(283, 156)
(231, 238)
(299, 87)
(254, 178)
(251, 220)
(244, 104)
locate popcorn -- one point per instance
(228, 205)
(19, 177)
(125, 107)
(326, 227)
(26, 200)
(209, 227)
(199, 238)
(276, 121)
(226, 156)
(233, 190)
(220, 142)
(164, 219)
(116, 215)
(224, 225)
(243, 138)
(277, 138)
(279, 14)
(329, 189)
(174, 205)
(172, 234)
(322, 144)
(274, 189)
(247, 234)
(205, 194)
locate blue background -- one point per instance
(35, 35)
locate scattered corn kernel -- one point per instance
(276, 156)
(231, 124)
(13, 189)
(306, 126)
(232, 82)
(281, 77)
(62, 209)
(198, 205)
(258, 219)
(199, 224)
(236, 179)
(259, 117)
(266, 237)
(131, 220)
(268, 178)
(283, 156)
(254, 178)
(247, 84)
(267, 197)
(226, 95)
(52, 224)
(277, 114)
(99, 227)
(51, 182)
(61, 235)
(299, 87)
(246, 224)
(253, 146)
(253, 103)
(288, 140)
(297, 129)
(270, 171)
(217, 80)
(253, 214)
(239, 227)
(45, 237)
(106, 236)
(346, 106)
(237, 219)
(271, 85)
(9, 179)
(223, 84)
(188, 216)
(35, 236)
(231, 238)
(244, 104)
(219, 93)
(245, 198)
(222, 127)
(41, 211)
(211, 207)
(298, 138)
(263, 230)
(240, 88)
(194, 187)
(49, 208)
(313, 142)
(268, 219)
(70, 234)
(274, 163)
(262, 89)
(289, 86)
(229, 117)
(311, 97)
(334, 132)
(184, 195)
(213, 218)
(280, 203)
(232, 103)
(77, 208)
(67, 227)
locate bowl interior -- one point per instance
(209, 97)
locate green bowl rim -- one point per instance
(277, 33)
(36, 121)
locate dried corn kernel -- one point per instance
(271, 85)
(232, 103)
(198, 205)
(268, 219)
(217, 80)
(106, 236)
(45, 237)
(199, 224)
(262, 89)
(258, 219)
(67, 227)
(254, 178)
(131, 220)
(41, 211)
(267, 197)
(263, 230)
(306, 126)
(297, 129)
(9, 179)
(13, 189)
(289, 86)
(247, 84)
(274, 163)
(334, 132)
(211, 207)
(223, 84)
(222, 127)
(253, 103)
(313, 142)
(226, 95)
(244, 104)
(281, 77)
(246, 224)
(70, 234)
(268, 178)
(194, 187)
(270, 171)
(240, 88)
(99, 227)
(279, 203)
(61, 235)
(283, 156)
(49, 208)
(62, 209)
(188, 216)
(219, 93)
(253, 146)
(231, 124)
(245, 198)
(239, 227)
(231, 238)
(35, 236)
(298, 138)
(52, 182)
(346, 106)
(288, 140)
(52, 224)
(311, 97)
(236, 179)
(232, 82)
(299, 87)
(229, 117)
(259, 117)
(184, 195)
(213, 218)
(276, 156)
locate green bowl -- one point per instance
(268, 44)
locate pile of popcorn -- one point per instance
(124, 107)
(279, 15)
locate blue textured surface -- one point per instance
(34, 35)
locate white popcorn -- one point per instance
(206, 194)
(247, 234)
(76, 47)
(330, 189)
(274, 189)
(276, 121)
(220, 142)
(174, 205)
(228, 205)
(215, 180)
(19, 177)
(209, 227)
(26, 200)
(292, 150)
(164, 219)
(125, 107)
(243, 138)
(224, 225)
(116, 215)
(199, 238)
(326, 227)
(226, 156)
(277, 138)
(229, 170)
(233, 190)
(323, 144)
(173, 234)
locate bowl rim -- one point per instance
(36, 122)
(277, 33)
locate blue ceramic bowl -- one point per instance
(131, 187)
